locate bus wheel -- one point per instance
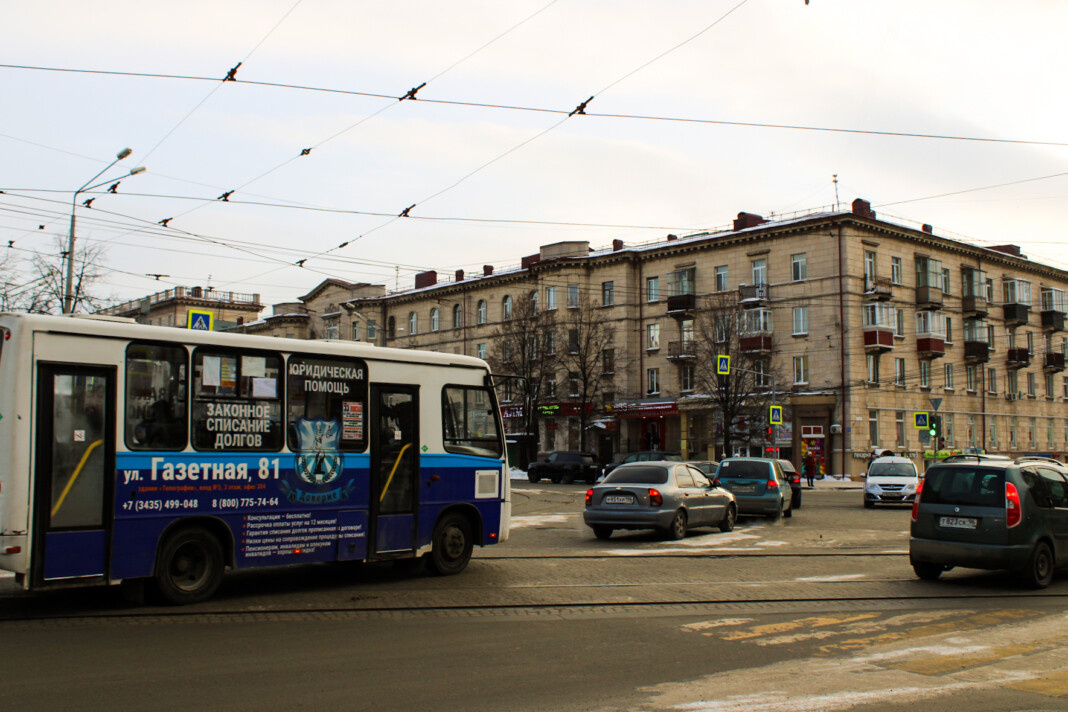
(451, 548)
(190, 567)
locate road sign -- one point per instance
(199, 320)
(775, 415)
(935, 402)
(723, 365)
(920, 420)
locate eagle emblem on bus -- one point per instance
(319, 457)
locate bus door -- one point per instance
(394, 467)
(73, 478)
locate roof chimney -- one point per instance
(745, 220)
(672, 238)
(617, 245)
(426, 279)
(459, 275)
(928, 229)
(862, 208)
(1013, 250)
(487, 270)
(529, 260)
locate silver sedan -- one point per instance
(671, 497)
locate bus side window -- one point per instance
(237, 400)
(156, 397)
(326, 403)
(468, 422)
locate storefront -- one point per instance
(648, 425)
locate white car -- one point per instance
(891, 480)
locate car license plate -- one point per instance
(957, 522)
(744, 490)
(618, 499)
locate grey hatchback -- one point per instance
(669, 496)
(991, 513)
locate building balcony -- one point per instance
(878, 289)
(976, 351)
(1053, 320)
(930, 346)
(929, 298)
(755, 344)
(1016, 314)
(682, 350)
(1053, 361)
(752, 295)
(1018, 358)
(681, 305)
(878, 339)
(974, 307)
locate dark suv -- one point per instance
(991, 513)
(565, 467)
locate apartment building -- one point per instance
(860, 324)
(172, 307)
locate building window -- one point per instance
(608, 293)
(761, 378)
(434, 319)
(971, 431)
(550, 298)
(1030, 343)
(573, 341)
(355, 331)
(686, 378)
(652, 339)
(945, 280)
(372, 329)
(534, 303)
(869, 268)
(991, 330)
(991, 380)
(1012, 383)
(686, 331)
(1013, 433)
(949, 329)
(895, 270)
(1017, 291)
(899, 425)
(457, 317)
(899, 326)
(756, 321)
(652, 289)
(873, 367)
(652, 380)
(721, 279)
(480, 312)
(799, 267)
(899, 372)
(550, 387)
(333, 329)
(800, 321)
(506, 308)
(572, 296)
(873, 428)
(971, 376)
(947, 370)
(800, 370)
(573, 384)
(992, 431)
(925, 374)
(681, 282)
(928, 272)
(480, 351)
(947, 428)
(413, 323)
(1031, 391)
(608, 361)
(760, 271)
(1049, 385)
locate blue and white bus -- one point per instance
(145, 452)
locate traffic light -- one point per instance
(934, 426)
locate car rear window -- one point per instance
(742, 468)
(892, 469)
(971, 486)
(637, 475)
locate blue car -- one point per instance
(758, 484)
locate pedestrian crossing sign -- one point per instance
(199, 320)
(723, 365)
(775, 415)
(920, 420)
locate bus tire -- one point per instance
(190, 567)
(451, 546)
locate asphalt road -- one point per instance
(818, 612)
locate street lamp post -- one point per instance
(68, 289)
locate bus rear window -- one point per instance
(469, 421)
(972, 486)
(237, 400)
(156, 396)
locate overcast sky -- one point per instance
(491, 184)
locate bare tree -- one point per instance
(742, 335)
(47, 270)
(589, 342)
(518, 349)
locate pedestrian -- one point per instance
(809, 466)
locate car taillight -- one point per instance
(589, 496)
(916, 500)
(1013, 511)
(655, 500)
(773, 484)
